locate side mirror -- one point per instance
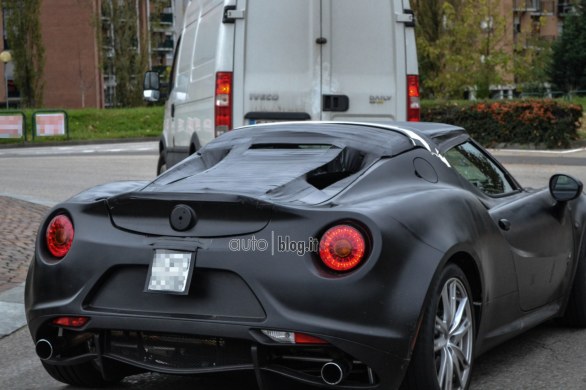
(151, 87)
(564, 188)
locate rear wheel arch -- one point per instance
(162, 147)
(574, 313)
(468, 265)
(423, 371)
(194, 144)
(162, 161)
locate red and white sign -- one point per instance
(11, 126)
(50, 124)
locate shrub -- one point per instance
(539, 122)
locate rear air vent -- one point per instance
(347, 163)
(292, 146)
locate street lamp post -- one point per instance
(6, 57)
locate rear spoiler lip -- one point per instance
(216, 197)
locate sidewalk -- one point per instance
(19, 221)
(575, 156)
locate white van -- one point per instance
(242, 62)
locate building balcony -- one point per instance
(166, 18)
(525, 5)
(533, 41)
(565, 8)
(536, 7)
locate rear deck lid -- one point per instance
(295, 163)
(195, 215)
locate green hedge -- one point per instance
(538, 122)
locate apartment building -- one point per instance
(79, 38)
(541, 19)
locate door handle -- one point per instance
(172, 110)
(338, 103)
(505, 224)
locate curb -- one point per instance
(29, 144)
(12, 308)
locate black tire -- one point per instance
(80, 375)
(456, 339)
(575, 314)
(161, 164)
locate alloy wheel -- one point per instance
(453, 336)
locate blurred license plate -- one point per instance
(170, 272)
(260, 121)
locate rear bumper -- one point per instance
(180, 346)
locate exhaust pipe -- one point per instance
(48, 349)
(334, 372)
(44, 349)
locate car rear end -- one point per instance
(267, 288)
(239, 258)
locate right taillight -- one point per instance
(223, 102)
(342, 248)
(59, 235)
(413, 103)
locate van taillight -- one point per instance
(223, 102)
(413, 104)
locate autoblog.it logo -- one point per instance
(277, 244)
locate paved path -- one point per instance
(19, 221)
(150, 147)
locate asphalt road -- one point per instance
(550, 356)
(48, 175)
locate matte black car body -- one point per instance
(519, 253)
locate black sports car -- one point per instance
(340, 255)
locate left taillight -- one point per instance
(223, 103)
(413, 103)
(342, 248)
(59, 235)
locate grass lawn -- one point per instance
(581, 100)
(96, 124)
(141, 122)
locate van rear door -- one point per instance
(323, 60)
(363, 61)
(277, 76)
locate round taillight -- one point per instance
(59, 235)
(342, 248)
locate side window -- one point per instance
(185, 57)
(206, 43)
(479, 169)
(174, 66)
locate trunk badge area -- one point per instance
(182, 218)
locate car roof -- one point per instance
(299, 162)
(443, 135)
(430, 135)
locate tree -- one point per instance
(126, 52)
(25, 42)
(568, 66)
(531, 61)
(459, 44)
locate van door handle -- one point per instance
(505, 224)
(338, 103)
(172, 110)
